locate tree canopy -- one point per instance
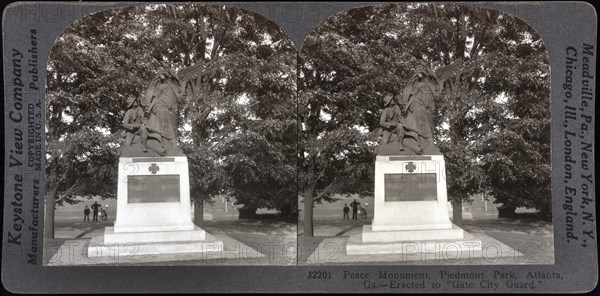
(492, 116)
(248, 136)
(240, 101)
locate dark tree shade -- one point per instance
(245, 91)
(491, 117)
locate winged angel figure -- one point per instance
(419, 95)
(160, 105)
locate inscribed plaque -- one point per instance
(152, 188)
(410, 187)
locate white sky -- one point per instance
(102, 130)
(360, 128)
(325, 116)
(243, 99)
(468, 46)
(214, 114)
(66, 118)
(501, 98)
(209, 46)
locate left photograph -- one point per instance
(171, 139)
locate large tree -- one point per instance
(242, 83)
(497, 107)
(352, 59)
(86, 83)
(233, 62)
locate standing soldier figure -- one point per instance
(394, 129)
(133, 124)
(391, 122)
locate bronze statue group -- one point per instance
(418, 101)
(151, 121)
(414, 130)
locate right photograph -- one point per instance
(424, 139)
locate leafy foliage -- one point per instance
(242, 103)
(492, 116)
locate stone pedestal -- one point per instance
(411, 206)
(153, 211)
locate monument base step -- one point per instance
(110, 237)
(98, 247)
(119, 228)
(368, 235)
(357, 246)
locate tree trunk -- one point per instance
(198, 212)
(457, 212)
(308, 211)
(49, 214)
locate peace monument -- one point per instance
(153, 196)
(411, 201)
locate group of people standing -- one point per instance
(98, 210)
(356, 211)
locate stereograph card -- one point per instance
(391, 147)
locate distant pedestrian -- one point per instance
(363, 213)
(346, 211)
(86, 214)
(354, 206)
(103, 215)
(95, 207)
